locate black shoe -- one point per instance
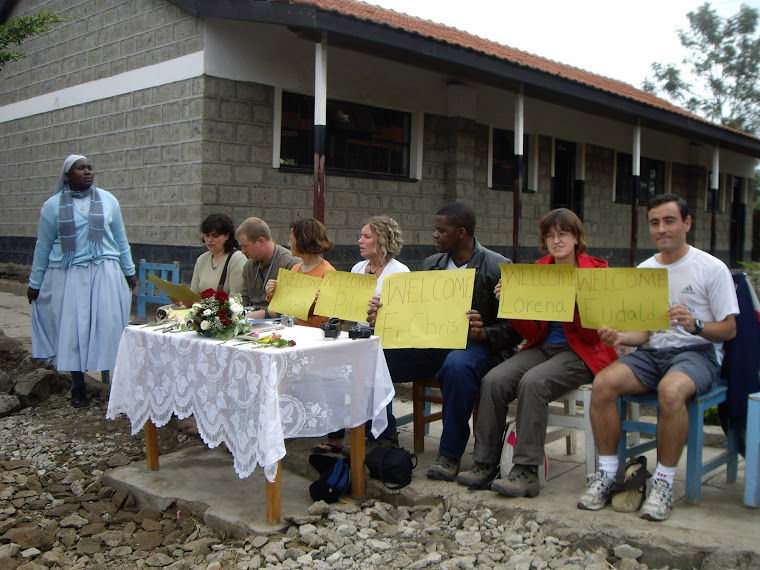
(79, 398)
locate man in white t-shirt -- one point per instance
(679, 362)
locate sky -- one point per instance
(615, 38)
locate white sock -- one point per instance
(608, 464)
(666, 474)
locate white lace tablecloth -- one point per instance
(251, 398)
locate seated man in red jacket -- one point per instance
(558, 357)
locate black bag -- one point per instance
(334, 478)
(391, 465)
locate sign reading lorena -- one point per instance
(537, 292)
(425, 309)
(295, 293)
(623, 298)
(345, 295)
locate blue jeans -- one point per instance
(458, 373)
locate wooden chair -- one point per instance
(423, 396)
(146, 292)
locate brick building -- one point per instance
(187, 107)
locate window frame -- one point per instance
(510, 138)
(401, 165)
(646, 164)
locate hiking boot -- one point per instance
(598, 492)
(522, 481)
(444, 468)
(659, 503)
(477, 475)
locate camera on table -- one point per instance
(331, 328)
(360, 332)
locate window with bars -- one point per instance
(651, 179)
(360, 138)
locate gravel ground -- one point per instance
(56, 513)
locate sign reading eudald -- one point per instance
(623, 298)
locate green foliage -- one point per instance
(725, 59)
(753, 273)
(711, 416)
(16, 30)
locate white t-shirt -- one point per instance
(392, 267)
(702, 283)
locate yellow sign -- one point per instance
(173, 291)
(345, 295)
(295, 293)
(537, 292)
(425, 309)
(623, 298)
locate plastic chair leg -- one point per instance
(752, 457)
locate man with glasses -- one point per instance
(678, 363)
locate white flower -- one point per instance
(236, 308)
(205, 325)
(208, 313)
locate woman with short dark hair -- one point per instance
(221, 267)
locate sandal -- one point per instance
(630, 485)
(327, 447)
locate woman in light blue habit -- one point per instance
(81, 277)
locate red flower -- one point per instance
(206, 293)
(221, 296)
(227, 322)
(222, 314)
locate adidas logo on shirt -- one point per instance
(688, 290)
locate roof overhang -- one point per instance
(461, 63)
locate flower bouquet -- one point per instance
(269, 340)
(217, 316)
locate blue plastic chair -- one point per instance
(147, 293)
(695, 467)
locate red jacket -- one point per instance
(584, 342)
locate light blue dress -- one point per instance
(81, 311)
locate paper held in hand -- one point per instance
(179, 292)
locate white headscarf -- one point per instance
(61, 182)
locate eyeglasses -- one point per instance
(562, 236)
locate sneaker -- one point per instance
(477, 475)
(598, 492)
(522, 481)
(659, 503)
(444, 468)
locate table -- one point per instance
(252, 399)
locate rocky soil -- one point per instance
(56, 513)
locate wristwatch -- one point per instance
(698, 326)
